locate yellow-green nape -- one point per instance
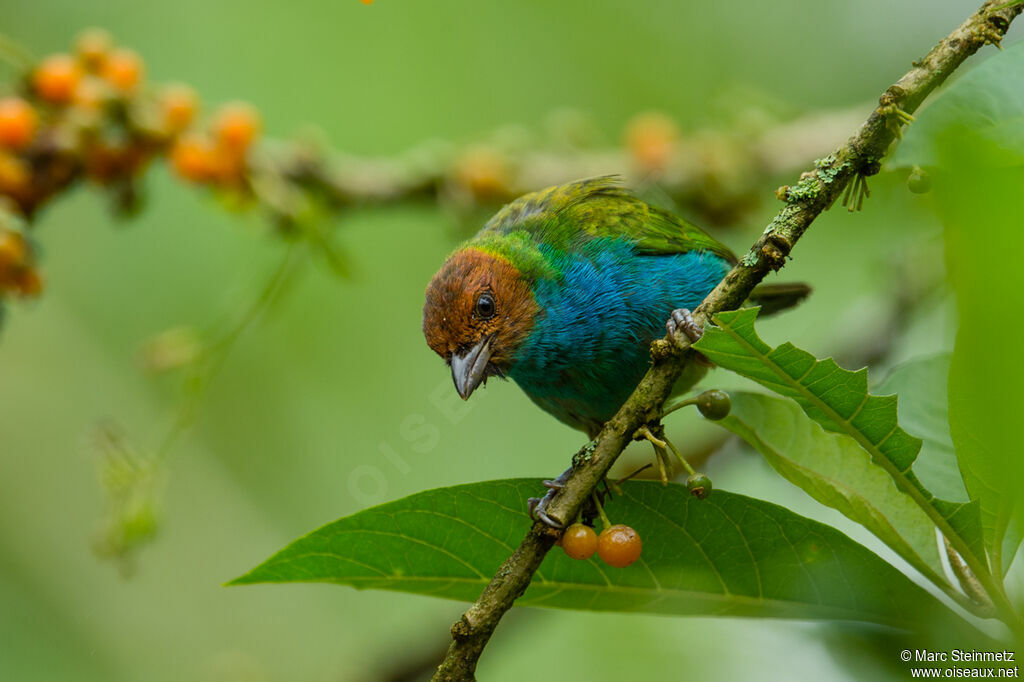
(519, 248)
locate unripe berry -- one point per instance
(178, 105)
(919, 181)
(619, 546)
(714, 404)
(699, 486)
(92, 47)
(91, 95)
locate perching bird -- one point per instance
(563, 291)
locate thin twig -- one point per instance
(819, 188)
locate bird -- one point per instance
(563, 291)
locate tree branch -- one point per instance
(843, 170)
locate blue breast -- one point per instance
(589, 346)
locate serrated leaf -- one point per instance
(836, 471)
(838, 399)
(726, 555)
(924, 413)
(987, 102)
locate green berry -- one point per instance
(714, 404)
(699, 485)
(919, 182)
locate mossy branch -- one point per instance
(817, 190)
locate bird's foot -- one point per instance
(538, 505)
(682, 320)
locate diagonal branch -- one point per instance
(817, 190)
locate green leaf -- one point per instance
(987, 103)
(726, 555)
(838, 399)
(836, 471)
(981, 455)
(924, 412)
(979, 207)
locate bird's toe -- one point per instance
(682, 320)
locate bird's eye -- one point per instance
(485, 306)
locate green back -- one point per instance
(564, 216)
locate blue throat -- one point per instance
(588, 348)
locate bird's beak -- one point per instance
(470, 368)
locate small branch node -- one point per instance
(662, 350)
(775, 250)
(645, 433)
(461, 629)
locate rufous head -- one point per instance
(479, 310)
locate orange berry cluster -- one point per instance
(18, 125)
(618, 545)
(88, 114)
(219, 155)
(16, 272)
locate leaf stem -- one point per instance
(605, 523)
(686, 465)
(679, 405)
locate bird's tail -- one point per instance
(774, 298)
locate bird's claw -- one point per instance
(682, 320)
(538, 505)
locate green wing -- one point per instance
(595, 208)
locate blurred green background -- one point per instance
(292, 430)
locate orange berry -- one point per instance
(651, 140)
(124, 70)
(92, 47)
(18, 121)
(619, 546)
(195, 158)
(236, 125)
(367, 2)
(230, 165)
(579, 541)
(15, 178)
(179, 104)
(12, 250)
(29, 282)
(56, 78)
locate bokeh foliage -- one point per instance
(321, 409)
